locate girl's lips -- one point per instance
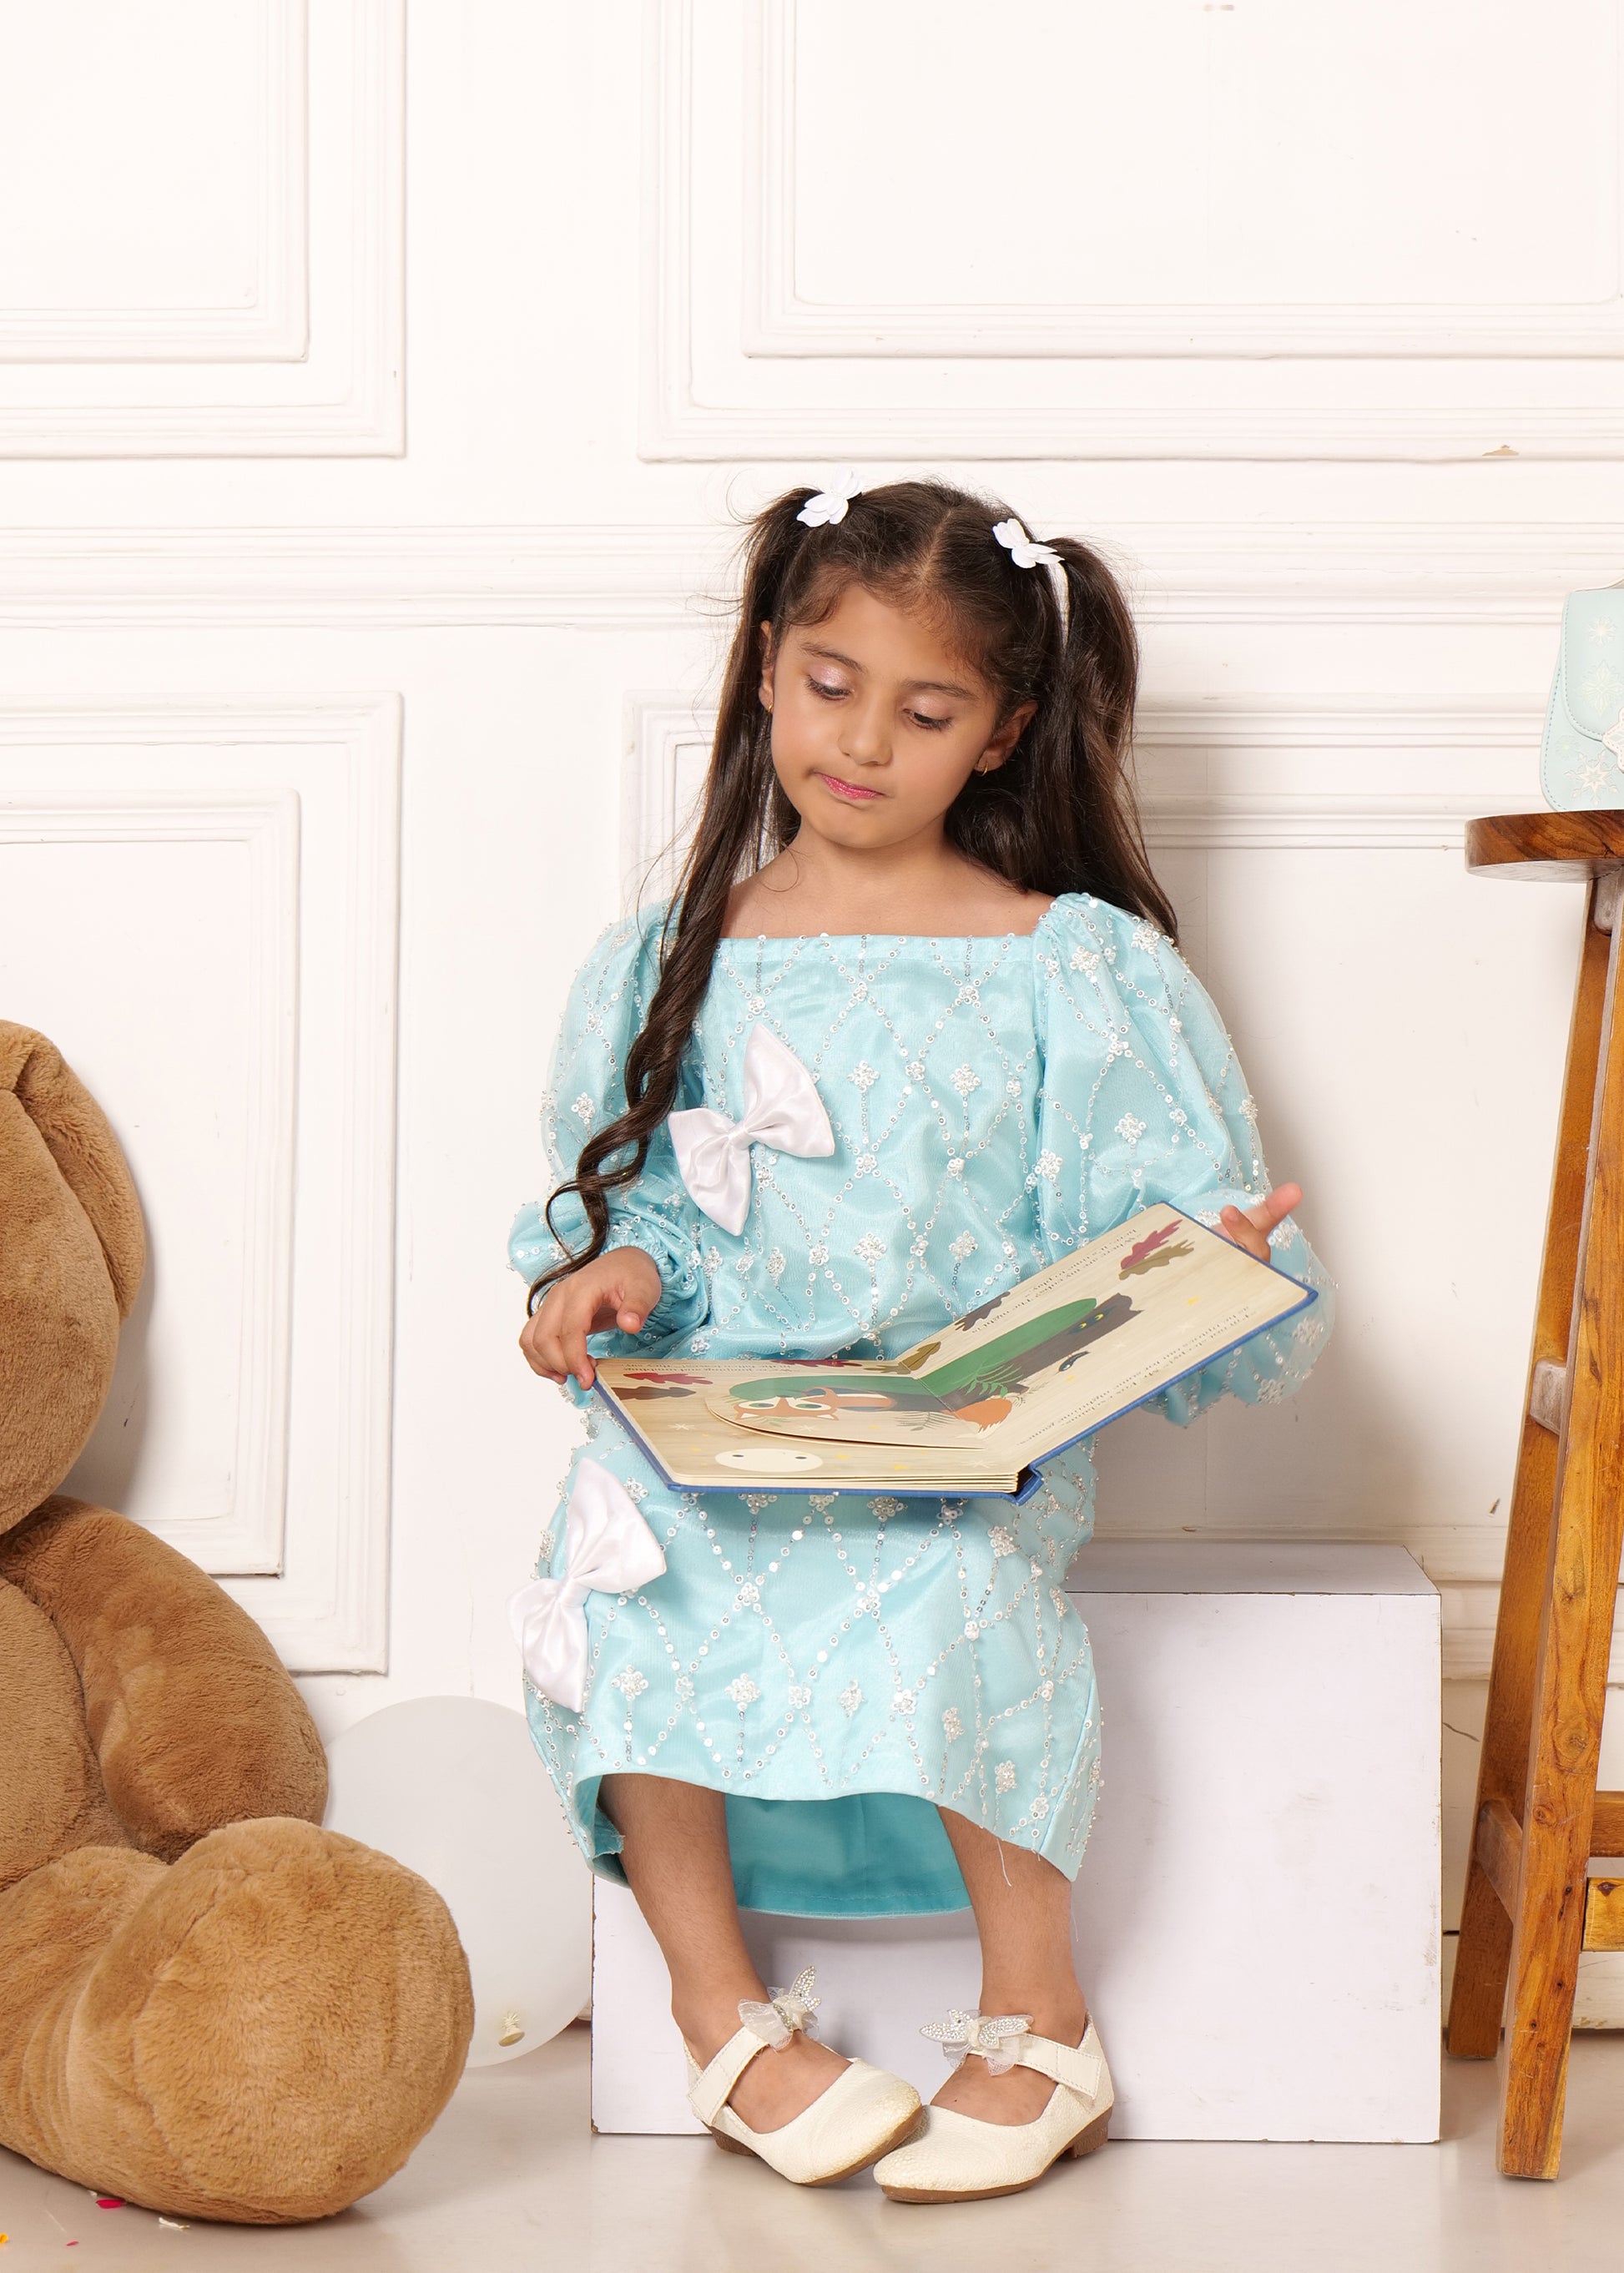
(848, 790)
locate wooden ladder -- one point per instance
(1530, 1905)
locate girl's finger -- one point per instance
(1273, 1208)
(627, 1317)
(616, 1308)
(1277, 1207)
(1242, 1230)
(626, 1298)
(572, 1343)
(543, 1353)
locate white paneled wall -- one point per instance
(375, 391)
(1183, 229)
(211, 206)
(226, 985)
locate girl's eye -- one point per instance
(932, 725)
(821, 686)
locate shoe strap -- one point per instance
(1080, 2068)
(709, 2092)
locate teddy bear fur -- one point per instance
(208, 2005)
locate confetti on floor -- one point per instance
(175, 2224)
(107, 2201)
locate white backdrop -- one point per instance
(373, 398)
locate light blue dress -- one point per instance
(838, 1664)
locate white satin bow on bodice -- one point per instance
(782, 1108)
(608, 1550)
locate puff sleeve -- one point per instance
(586, 1088)
(1143, 1099)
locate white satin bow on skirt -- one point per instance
(608, 1550)
(782, 1108)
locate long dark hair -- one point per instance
(1058, 816)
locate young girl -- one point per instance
(912, 1027)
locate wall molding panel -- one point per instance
(738, 377)
(778, 322)
(249, 1537)
(313, 365)
(273, 325)
(665, 753)
(646, 576)
(312, 788)
(547, 578)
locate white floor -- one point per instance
(511, 2180)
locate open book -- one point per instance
(978, 1406)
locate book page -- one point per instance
(666, 1404)
(1067, 1349)
(850, 1406)
(970, 1407)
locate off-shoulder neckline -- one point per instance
(877, 938)
(891, 938)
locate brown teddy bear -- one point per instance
(208, 2004)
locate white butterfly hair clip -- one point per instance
(1023, 551)
(830, 503)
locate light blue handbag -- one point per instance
(1582, 762)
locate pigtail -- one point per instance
(1095, 688)
(744, 821)
(1059, 815)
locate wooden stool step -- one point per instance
(1529, 1906)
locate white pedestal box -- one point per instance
(1256, 1915)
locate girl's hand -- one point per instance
(619, 1289)
(1250, 1227)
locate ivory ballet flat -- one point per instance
(959, 2158)
(864, 2113)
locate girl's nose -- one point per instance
(867, 737)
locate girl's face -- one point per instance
(877, 724)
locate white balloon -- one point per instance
(451, 1787)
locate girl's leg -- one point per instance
(1023, 1917)
(676, 1863)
